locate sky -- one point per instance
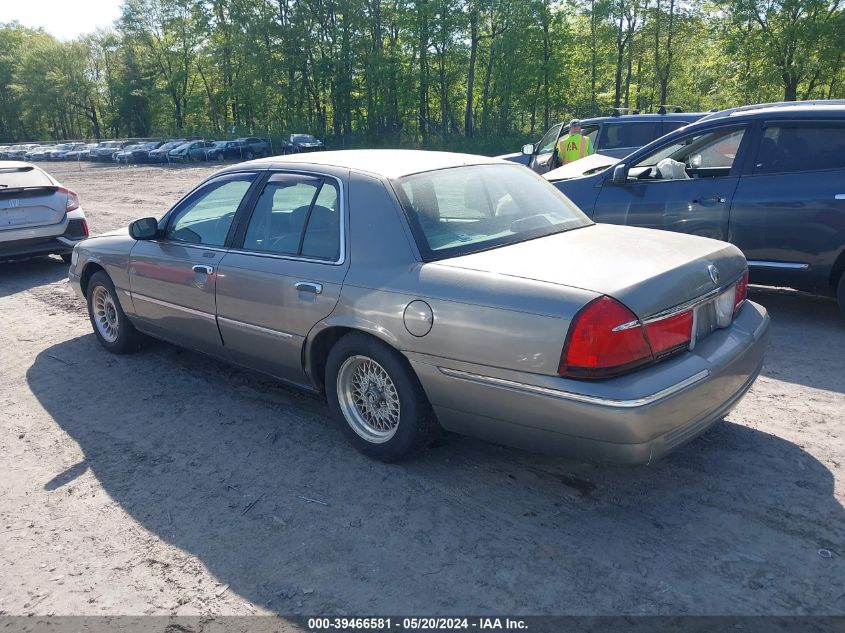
(65, 19)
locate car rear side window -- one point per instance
(627, 134)
(296, 215)
(801, 146)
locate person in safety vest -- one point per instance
(573, 146)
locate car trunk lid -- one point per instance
(29, 198)
(649, 271)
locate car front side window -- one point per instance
(206, 215)
(549, 141)
(708, 154)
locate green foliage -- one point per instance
(389, 73)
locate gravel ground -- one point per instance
(168, 483)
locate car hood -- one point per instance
(647, 270)
(583, 167)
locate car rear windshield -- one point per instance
(303, 138)
(23, 178)
(467, 209)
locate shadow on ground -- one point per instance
(807, 344)
(17, 276)
(254, 481)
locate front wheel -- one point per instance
(377, 400)
(111, 326)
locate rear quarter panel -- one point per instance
(479, 318)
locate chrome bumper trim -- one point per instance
(577, 397)
(789, 265)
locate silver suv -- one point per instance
(38, 216)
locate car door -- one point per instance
(695, 199)
(284, 272)
(788, 215)
(172, 279)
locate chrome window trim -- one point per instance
(173, 306)
(577, 397)
(254, 328)
(787, 265)
(296, 258)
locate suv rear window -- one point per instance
(23, 177)
(628, 134)
(801, 146)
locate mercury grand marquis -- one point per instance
(427, 290)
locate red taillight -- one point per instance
(741, 291)
(669, 334)
(72, 199)
(605, 338)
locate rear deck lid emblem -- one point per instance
(714, 273)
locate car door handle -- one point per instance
(309, 286)
(710, 200)
(202, 268)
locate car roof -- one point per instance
(389, 163)
(634, 118)
(823, 107)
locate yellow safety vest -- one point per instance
(572, 147)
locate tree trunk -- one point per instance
(473, 54)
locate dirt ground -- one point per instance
(168, 483)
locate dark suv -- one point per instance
(615, 136)
(768, 178)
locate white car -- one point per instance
(38, 216)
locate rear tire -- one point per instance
(111, 325)
(377, 400)
(840, 293)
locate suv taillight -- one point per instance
(607, 339)
(72, 199)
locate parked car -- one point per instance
(254, 147)
(225, 150)
(18, 152)
(485, 302)
(82, 153)
(297, 143)
(615, 136)
(105, 151)
(769, 178)
(136, 153)
(38, 216)
(60, 152)
(39, 152)
(161, 155)
(187, 151)
(199, 150)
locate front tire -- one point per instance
(111, 326)
(377, 400)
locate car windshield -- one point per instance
(171, 145)
(221, 143)
(303, 138)
(467, 209)
(64, 147)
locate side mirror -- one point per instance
(144, 229)
(528, 149)
(620, 174)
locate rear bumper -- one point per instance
(57, 239)
(633, 419)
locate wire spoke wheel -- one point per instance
(105, 314)
(368, 399)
